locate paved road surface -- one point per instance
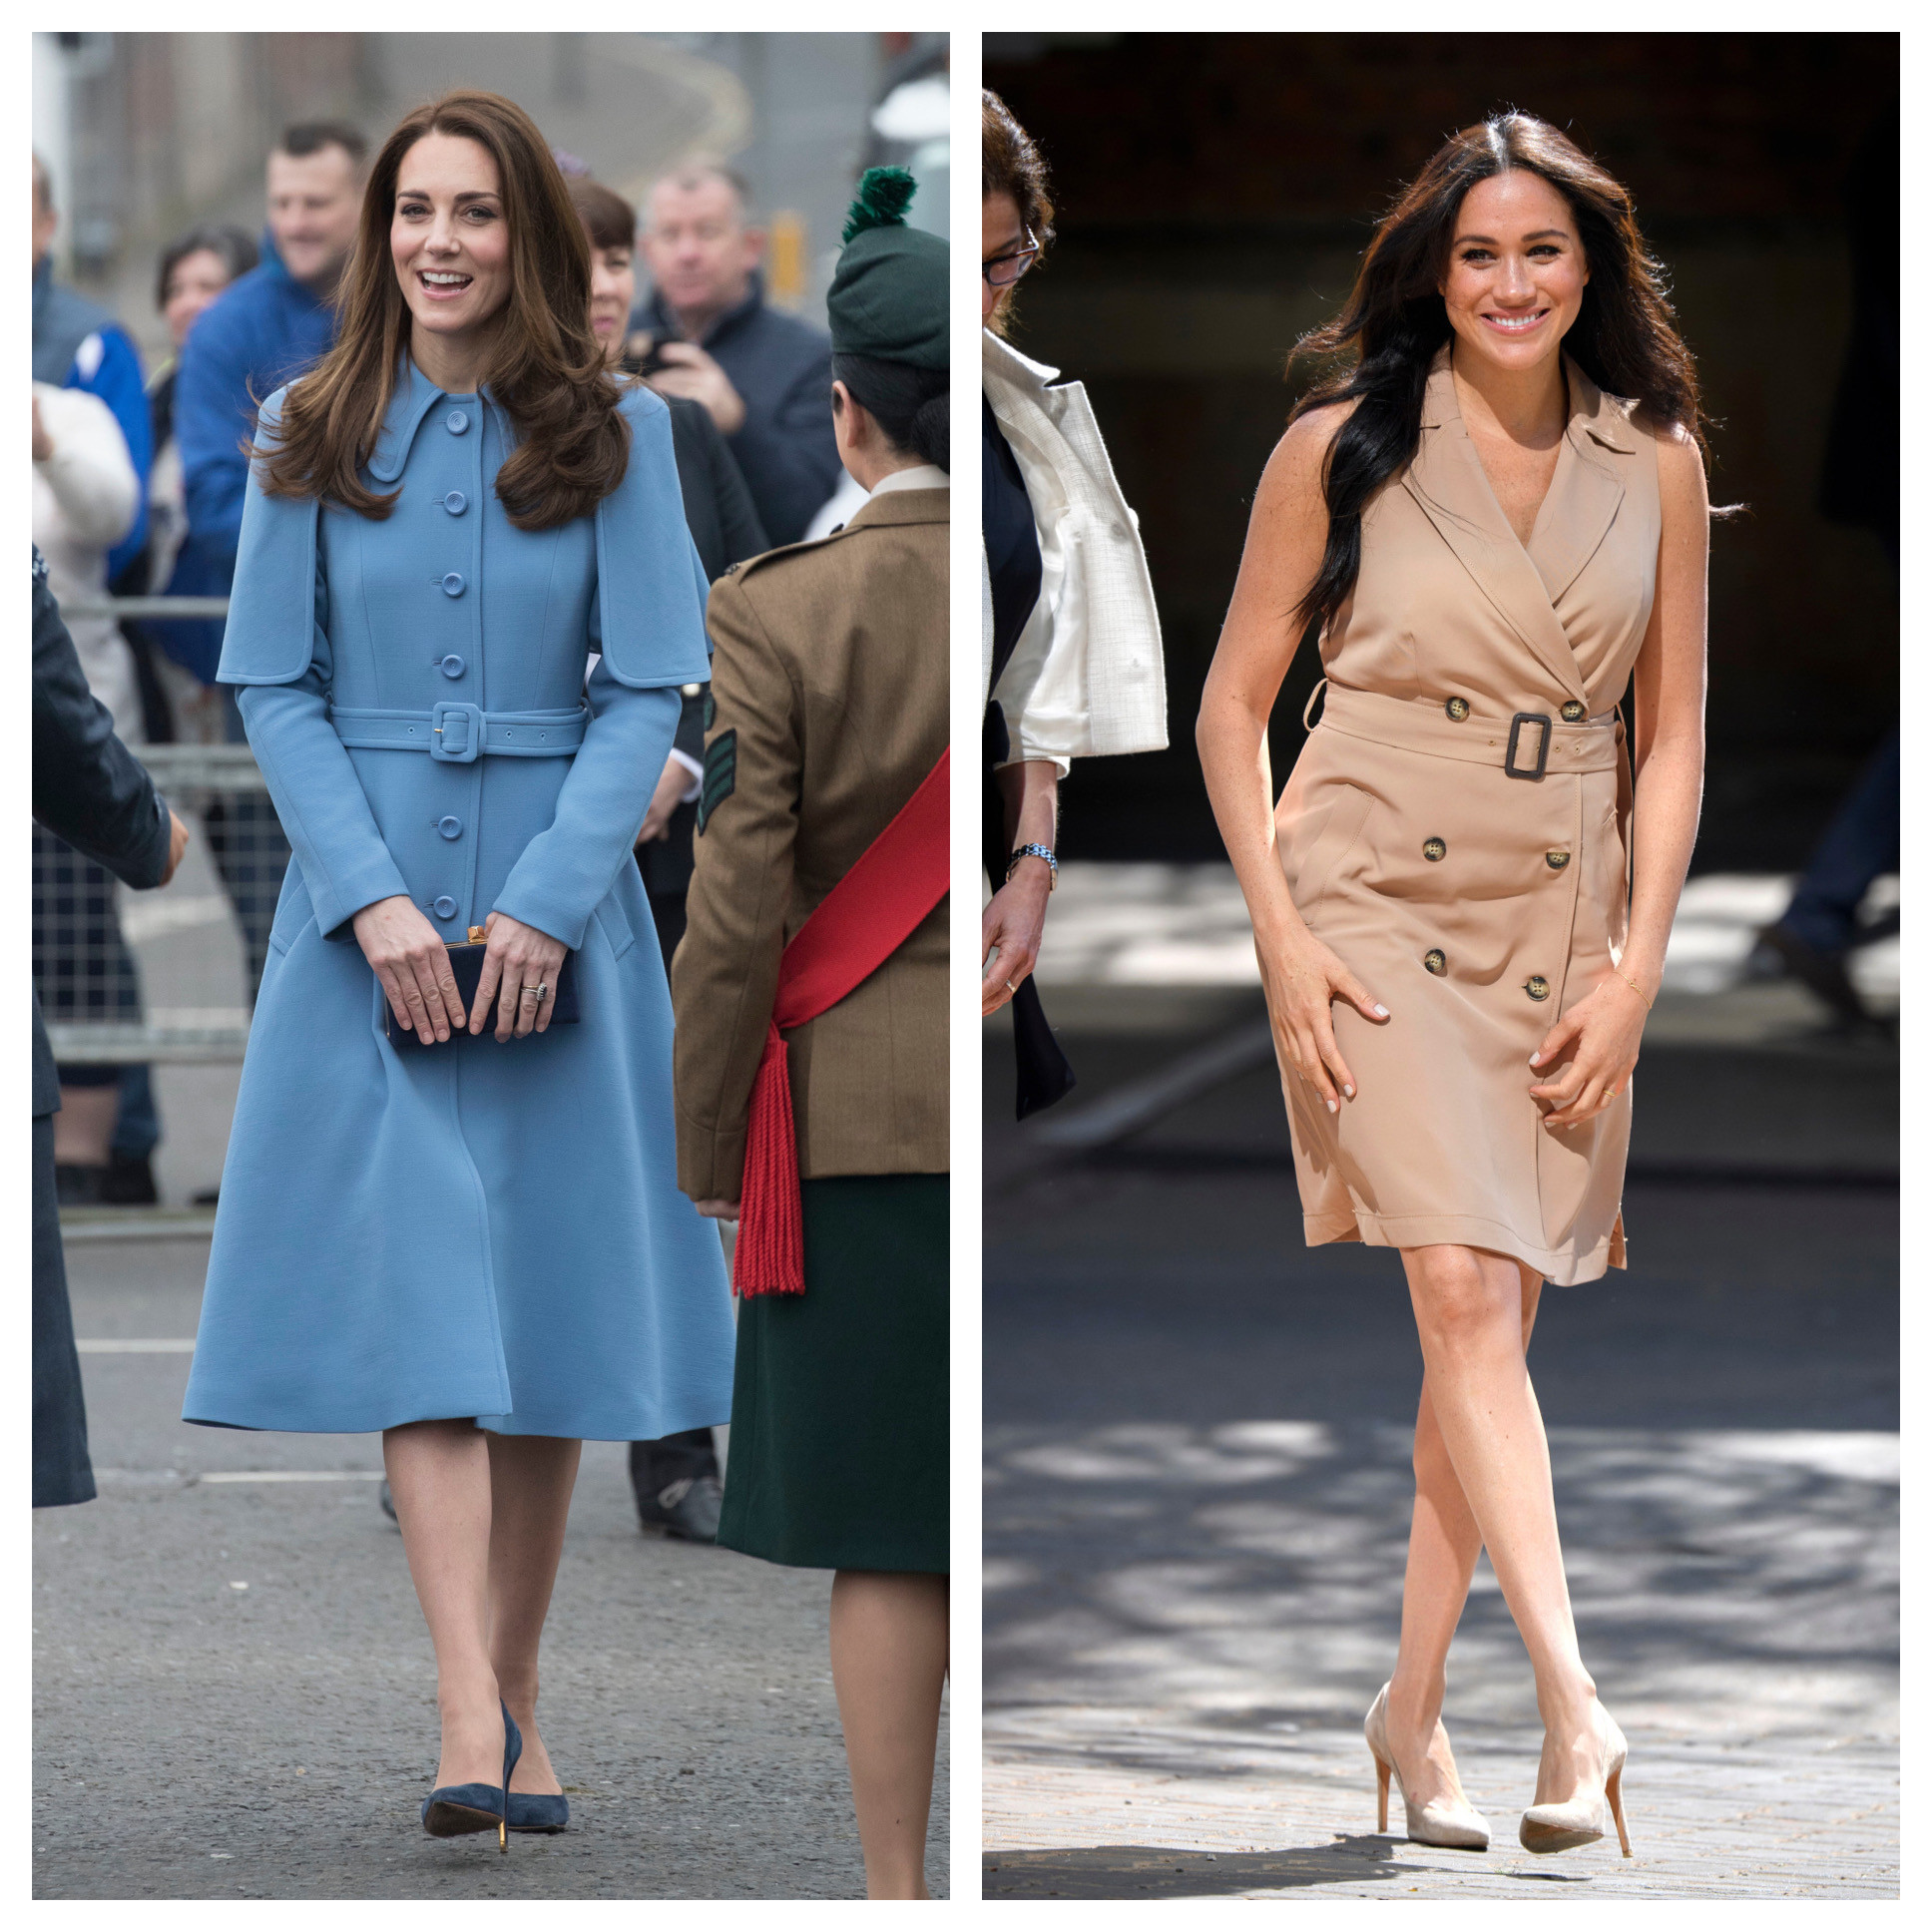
(1196, 1437)
(199, 1739)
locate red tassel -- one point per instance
(769, 1258)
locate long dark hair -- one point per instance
(547, 368)
(912, 406)
(1623, 339)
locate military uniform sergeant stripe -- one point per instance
(720, 774)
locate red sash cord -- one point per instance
(865, 918)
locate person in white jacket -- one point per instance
(86, 497)
(1069, 655)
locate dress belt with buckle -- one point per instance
(460, 733)
(1527, 745)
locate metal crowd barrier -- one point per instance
(165, 976)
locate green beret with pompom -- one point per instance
(889, 296)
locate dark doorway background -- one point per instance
(1215, 193)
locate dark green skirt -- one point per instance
(839, 1444)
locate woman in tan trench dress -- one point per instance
(1498, 519)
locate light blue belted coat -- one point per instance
(473, 1229)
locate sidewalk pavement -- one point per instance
(1185, 1625)
(235, 1695)
(1198, 1493)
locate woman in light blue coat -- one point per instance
(470, 1239)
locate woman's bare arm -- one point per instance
(1288, 531)
(1668, 747)
(1014, 918)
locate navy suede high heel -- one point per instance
(538, 1812)
(452, 1810)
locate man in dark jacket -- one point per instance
(765, 376)
(90, 790)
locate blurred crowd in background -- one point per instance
(196, 198)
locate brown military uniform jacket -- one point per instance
(830, 689)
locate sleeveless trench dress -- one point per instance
(1456, 830)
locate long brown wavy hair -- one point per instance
(1009, 164)
(546, 369)
(1623, 339)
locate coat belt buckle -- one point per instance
(455, 733)
(1509, 768)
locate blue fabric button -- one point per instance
(453, 584)
(450, 828)
(457, 422)
(452, 666)
(456, 503)
(445, 908)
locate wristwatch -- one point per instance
(1036, 851)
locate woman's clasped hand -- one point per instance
(1600, 1036)
(519, 968)
(1011, 929)
(1302, 979)
(408, 956)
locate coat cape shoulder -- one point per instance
(650, 586)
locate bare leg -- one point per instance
(530, 1479)
(439, 1476)
(1444, 1544)
(1468, 1314)
(889, 1654)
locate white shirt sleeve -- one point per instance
(90, 471)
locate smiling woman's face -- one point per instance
(1516, 272)
(448, 237)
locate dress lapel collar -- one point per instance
(1588, 486)
(1448, 482)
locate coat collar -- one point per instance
(904, 506)
(999, 358)
(412, 399)
(1449, 483)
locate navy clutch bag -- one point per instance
(466, 962)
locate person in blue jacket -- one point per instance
(79, 346)
(265, 329)
(462, 1227)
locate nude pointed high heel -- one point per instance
(1456, 1827)
(1580, 1821)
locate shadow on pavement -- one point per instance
(1155, 1872)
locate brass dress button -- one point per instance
(1433, 849)
(1573, 713)
(1436, 961)
(1537, 987)
(1556, 861)
(1457, 707)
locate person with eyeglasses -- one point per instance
(1070, 638)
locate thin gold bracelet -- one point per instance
(1634, 987)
